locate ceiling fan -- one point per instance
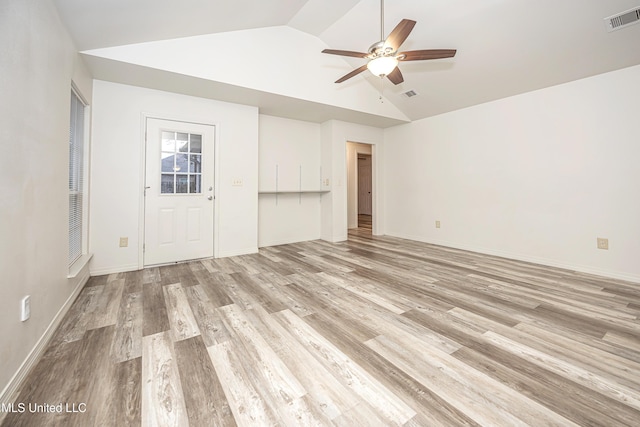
(383, 56)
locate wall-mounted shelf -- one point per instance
(292, 191)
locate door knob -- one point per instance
(210, 198)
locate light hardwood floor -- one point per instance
(375, 331)
(365, 221)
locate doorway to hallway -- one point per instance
(360, 188)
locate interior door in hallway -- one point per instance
(179, 193)
(364, 184)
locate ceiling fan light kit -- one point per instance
(383, 65)
(384, 57)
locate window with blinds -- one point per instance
(76, 174)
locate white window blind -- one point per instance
(76, 173)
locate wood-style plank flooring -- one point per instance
(376, 331)
(365, 221)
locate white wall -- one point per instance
(353, 149)
(37, 64)
(536, 177)
(335, 135)
(293, 148)
(252, 49)
(118, 165)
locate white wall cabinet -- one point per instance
(290, 181)
(286, 182)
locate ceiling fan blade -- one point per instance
(399, 34)
(419, 55)
(345, 53)
(395, 76)
(351, 74)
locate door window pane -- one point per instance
(182, 140)
(168, 161)
(181, 184)
(166, 186)
(168, 142)
(196, 143)
(194, 184)
(181, 163)
(195, 163)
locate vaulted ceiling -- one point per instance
(268, 52)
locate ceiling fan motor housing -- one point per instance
(379, 49)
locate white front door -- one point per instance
(179, 193)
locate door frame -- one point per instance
(144, 116)
(376, 211)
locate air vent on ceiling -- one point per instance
(410, 93)
(622, 20)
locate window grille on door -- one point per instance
(181, 163)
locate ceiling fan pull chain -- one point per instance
(381, 89)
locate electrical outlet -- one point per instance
(603, 243)
(237, 182)
(437, 224)
(25, 308)
(124, 242)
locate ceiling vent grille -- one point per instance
(622, 20)
(410, 93)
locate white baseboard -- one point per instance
(247, 251)
(115, 269)
(135, 267)
(336, 239)
(286, 241)
(10, 392)
(526, 258)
